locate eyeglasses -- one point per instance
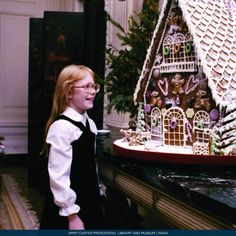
(88, 87)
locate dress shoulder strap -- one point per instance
(76, 123)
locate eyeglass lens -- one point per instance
(88, 87)
(96, 87)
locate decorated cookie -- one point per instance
(178, 83)
(202, 102)
(155, 99)
(190, 113)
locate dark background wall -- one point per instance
(57, 40)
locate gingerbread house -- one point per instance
(187, 88)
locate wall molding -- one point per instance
(126, 9)
(14, 52)
(21, 1)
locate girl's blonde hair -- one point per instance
(68, 76)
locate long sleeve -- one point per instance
(59, 165)
(60, 136)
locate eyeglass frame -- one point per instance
(87, 87)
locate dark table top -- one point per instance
(209, 188)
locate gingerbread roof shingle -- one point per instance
(212, 24)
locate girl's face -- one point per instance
(82, 95)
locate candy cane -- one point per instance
(189, 128)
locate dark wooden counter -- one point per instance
(170, 196)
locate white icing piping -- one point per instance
(159, 45)
(200, 53)
(148, 53)
(207, 69)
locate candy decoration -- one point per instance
(177, 100)
(176, 48)
(154, 122)
(166, 51)
(190, 113)
(169, 102)
(200, 125)
(173, 123)
(188, 47)
(214, 114)
(156, 73)
(191, 85)
(189, 131)
(147, 108)
(163, 86)
(158, 59)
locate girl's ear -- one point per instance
(69, 96)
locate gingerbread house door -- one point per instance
(156, 127)
(174, 127)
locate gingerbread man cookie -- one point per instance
(178, 83)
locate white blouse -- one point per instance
(60, 136)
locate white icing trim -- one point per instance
(149, 52)
(220, 100)
(159, 45)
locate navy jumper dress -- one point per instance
(84, 181)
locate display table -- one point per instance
(174, 196)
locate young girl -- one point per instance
(73, 199)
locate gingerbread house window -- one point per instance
(156, 127)
(178, 54)
(173, 127)
(201, 131)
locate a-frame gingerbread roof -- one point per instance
(212, 24)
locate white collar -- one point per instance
(74, 115)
